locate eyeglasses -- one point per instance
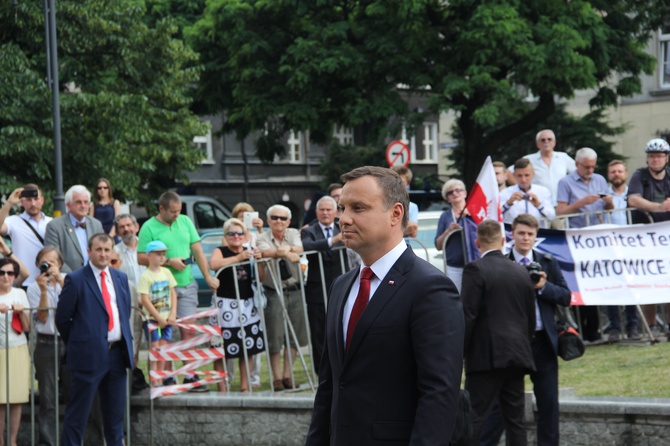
(102, 187)
(454, 191)
(233, 234)
(7, 273)
(277, 217)
(546, 139)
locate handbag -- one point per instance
(570, 344)
(285, 270)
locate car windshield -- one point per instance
(427, 230)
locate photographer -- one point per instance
(525, 197)
(551, 290)
(43, 293)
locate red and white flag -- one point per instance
(484, 200)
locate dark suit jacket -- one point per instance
(81, 318)
(398, 383)
(314, 240)
(499, 309)
(60, 233)
(555, 292)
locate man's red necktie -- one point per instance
(107, 299)
(361, 302)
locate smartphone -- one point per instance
(188, 260)
(602, 195)
(249, 218)
(29, 193)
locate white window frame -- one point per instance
(664, 56)
(430, 143)
(204, 142)
(294, 148)
(344, 135)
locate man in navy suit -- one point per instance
(93, 317)
(393, 352)
(551, 290)
(323, 236)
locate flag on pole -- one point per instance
(484, 200)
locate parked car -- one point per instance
(424, 243)
(206, 213)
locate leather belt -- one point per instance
(294, 287)
(48, 337)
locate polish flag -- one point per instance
(483, 200)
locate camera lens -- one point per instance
(44, 267)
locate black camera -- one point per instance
(29, 193)
(526, 197)
(44, 267)
(534, 269)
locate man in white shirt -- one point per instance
(550, 166)
(525, 197)
(27, 229)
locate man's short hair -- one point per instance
(449, 184)
(76, 189)
(403, 171)
(489, 232)
(120, 217)
(537, 136)
(168, 198)
(101, 237)
(499, 164)
(522, 163)
(392, 187)
(527, 220)
(280, 207)
(586, 153)
(333, 186)
(615, 162)
(46, 250)
(327, 198)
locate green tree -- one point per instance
(124, 98)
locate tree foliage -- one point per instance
(124, 98)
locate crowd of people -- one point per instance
(96, 282)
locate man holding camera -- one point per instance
(26, 229)
(551, 290)
(525, 197)
(499, 309)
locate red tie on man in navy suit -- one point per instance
(107, 299)
(361, 302)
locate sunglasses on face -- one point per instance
(7, 273)
(102, 187)
(546, 139)
(233, 234)
(277, 217)
(454, 191)
(114, 261)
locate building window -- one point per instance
(204, 143)
(423, 144)
(344, 135)
(664, 62)
(294, 149)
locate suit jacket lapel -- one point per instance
(69, 229)
(92, 283)
(338, 298)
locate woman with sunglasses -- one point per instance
(14, 358)
(451, 220)
(105, 208)
(232, 318)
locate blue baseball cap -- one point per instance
(156, 245)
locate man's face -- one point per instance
(524, 238)
(127, 229)
(79, 205)
(657, 161)
(100, 253)
(524, 177)
(336, 193)
(278, 221)
(501, 175)
(326, 212)
(365, 223)
(585, 168)
(617, 174)
(546, 142)
(170, 214)
(33, 206)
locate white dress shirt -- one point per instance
(115, 334)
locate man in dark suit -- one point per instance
(551, 290)
(93, 317)
(499, 309)
(392, 358)
(323, 236)
(70, 233)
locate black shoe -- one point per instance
(196, 389)
(139, 382)
(169, 381)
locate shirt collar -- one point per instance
(383, 265)
(518, 257)
(96, 271)
(74, 221)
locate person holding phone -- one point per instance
(27, 229)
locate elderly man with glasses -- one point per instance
(283, 243)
